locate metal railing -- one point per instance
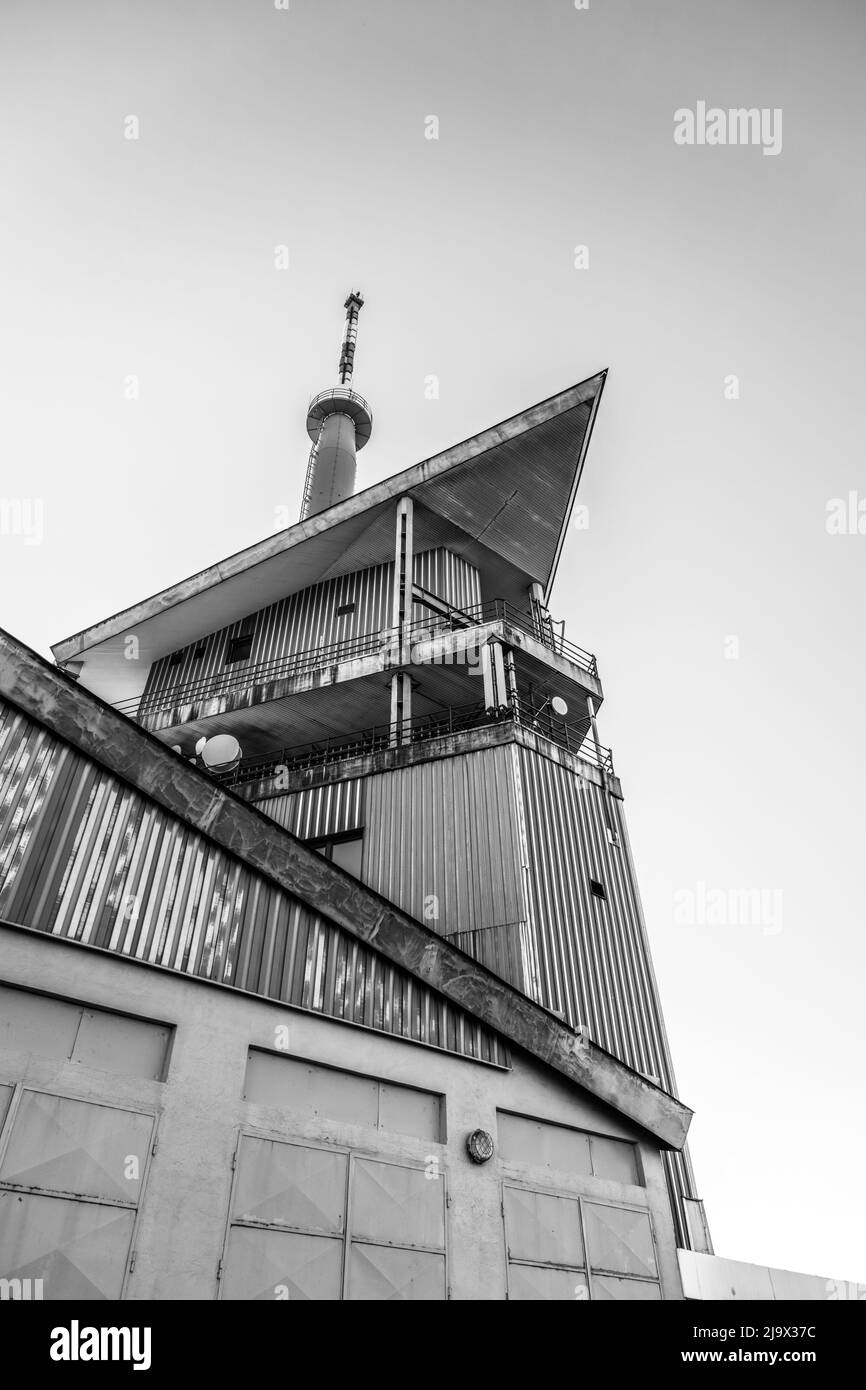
(499, 609)
(343, 393)
(422, 728)
(245, 677)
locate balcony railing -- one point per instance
(245, 677)
(421, 729)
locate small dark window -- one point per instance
(597, 889)
(344, 609)
(199, 651)
(344, 850)
(239, 649)
(175, 659)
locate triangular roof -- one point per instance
(80, 718)
(503, 498)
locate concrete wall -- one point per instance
(179, 1239)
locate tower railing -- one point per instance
(422, 728)
(245, 676)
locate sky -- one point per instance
(156, 361)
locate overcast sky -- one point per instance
(742, 761)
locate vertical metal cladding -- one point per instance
(500, 845)
(327, 810)
(83, 856)
(593, 954)
(441, 841)
(447, 575)
(311, 618)
(299, 623)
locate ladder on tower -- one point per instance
(308, 481)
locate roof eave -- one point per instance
(399, 484)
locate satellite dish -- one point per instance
(221, 753)
(559, 706)
(176, 748)
(199, 746)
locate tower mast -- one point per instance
(339, 422)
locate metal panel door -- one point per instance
(542, 1228)
(78, 1249)
(393, 1205)
(290, 1185)
(74, 1146)
(380, 1273)
(276, 1265)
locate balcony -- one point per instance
(246, 680)
(573, 738)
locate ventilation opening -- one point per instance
(597, 889)
(345, 609)
(175, 659)
(239, 649)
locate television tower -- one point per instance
(339, 422)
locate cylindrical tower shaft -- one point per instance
(339, 423)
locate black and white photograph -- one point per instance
(432, 669)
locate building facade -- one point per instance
(312, 868)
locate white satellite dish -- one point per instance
(176, 748)
(221, 753)
(559, 706)
(199, 746)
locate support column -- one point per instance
(511, 681)
(401, 617)
(401, 708)
(590, 706)
(496, 688)
(537, 609)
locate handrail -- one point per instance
(246, 677)
(575, 738)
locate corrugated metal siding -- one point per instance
(85, 857)
(448, 575)
(441, 839)
(308, 619)
(472, 830)
(298, 623)
(593, 957)
(326, 810)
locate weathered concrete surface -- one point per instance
(200, 1108)
(53, 699)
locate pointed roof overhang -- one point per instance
(81, 719)
(505, 496)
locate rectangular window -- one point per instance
(346, 850)
(311, 1223)
(239, 649)
(53, 1027)
(313, 1092)
(345, 609)
(597, 889)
